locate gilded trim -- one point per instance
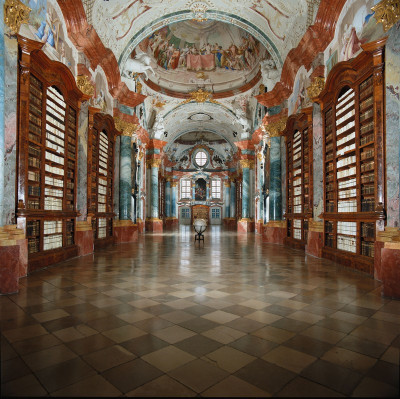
(15, 14)
(387, 12)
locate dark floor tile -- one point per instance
(131, 375)
(360, 311)
(199, 324)
(239, 310)
(13, 369)
(388, 373)
(59, 324)
(7, 351)
(199, 310)
(318, 310)
(36, 344)
(80, 308)
(265, 375)
(106, 323)
(158, 310)
(90, 344)
(153, 324)
(291, 325)
(333, 376)
(143, 345)
(279, 310)
(118, 309)
(64, 374)
(253, 345)
(363, 346)
(245, 325)
(308, 345)
(198, 345)
(337, 325)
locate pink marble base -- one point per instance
(378, 260)
(125, 233)
(84, 241)
(154, 226)
(274, 235)
(141, 226)
(9, 269)
(314, 243)
(170, 224)
(259, 227)
(23, 257)
(245, 226)
(390, 266)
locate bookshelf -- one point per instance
(48, 107)
(354, 158)
(299, 177)
(101, 142)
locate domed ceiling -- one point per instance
(210, 54)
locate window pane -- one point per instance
(201, 158)
(216, 188)
(185, 188)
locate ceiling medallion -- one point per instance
(387, 12)
(199, 10)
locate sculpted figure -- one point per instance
(270, 73)
(141, 64)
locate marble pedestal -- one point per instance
(390, 269)
(245, 225)
(315, 239)
(170, 223)
(125, 231)
(259, 226)
(141, 225)
(230, 223)
(154, 225)
(274, 232)
(84, 237)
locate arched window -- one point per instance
(200, 158)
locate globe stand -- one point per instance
(199, 225)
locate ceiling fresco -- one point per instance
(210, 54)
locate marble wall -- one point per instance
(82, 161)
(283, 173)
(10, 127)
(1, 113)
(116, 176)
(392, 76)
(318, 190)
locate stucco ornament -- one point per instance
(387, 12)
(15, 14)
(141, 64)
(240, 113)
(270, 73)
(158, 127)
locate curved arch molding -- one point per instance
(214, 15)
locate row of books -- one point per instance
(54, 158)
(346, 172)
(346, 244)
(52, 242)
(346, 161)
(349, 228)
(52, 226)
(347, 183)
(347, 206)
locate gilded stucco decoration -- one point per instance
(15, 14)
(314, 90)
(387, 12)
(85, 85)
(199, 96)
(247, 163)
(153, 163)
(275, 129)
(126, 128)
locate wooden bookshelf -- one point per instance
(48, 107)
(299, 177)
(101, 142)
(354, 158)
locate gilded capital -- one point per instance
(174, 183)
(85, 85)
(314, 90)
(126, 128)
(153, 163)
(276, 129)
(227, 183)
(387, 12)
(247, 163)
(200, 96)
(15, 14)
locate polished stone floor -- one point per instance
(167, 317)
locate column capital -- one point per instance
(153, 163)
(126, 128)
(276, 129)
(174, 183)
(227, 183)
(246, 163)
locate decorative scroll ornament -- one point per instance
(199, 10)
(85, 85)
(260, 156)
(126, 128)
(387, 12)
(247, 163)
(15, 14)
(314, 90)
(275, 129)
(200, 96)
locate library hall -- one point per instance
(200, 198)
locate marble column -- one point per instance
(174, 197)
(168, 198)
(233, 200)
(125, 182)
(275, 190)
(2, 140)
(227, 186)
(155, 163)
(246, 165)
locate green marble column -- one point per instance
(125, 181)
(275, 191)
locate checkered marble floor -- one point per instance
(168, 317)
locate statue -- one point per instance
(270, 73)
(100, 101)
(141, 64)
(158, 126)
(241, 116)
